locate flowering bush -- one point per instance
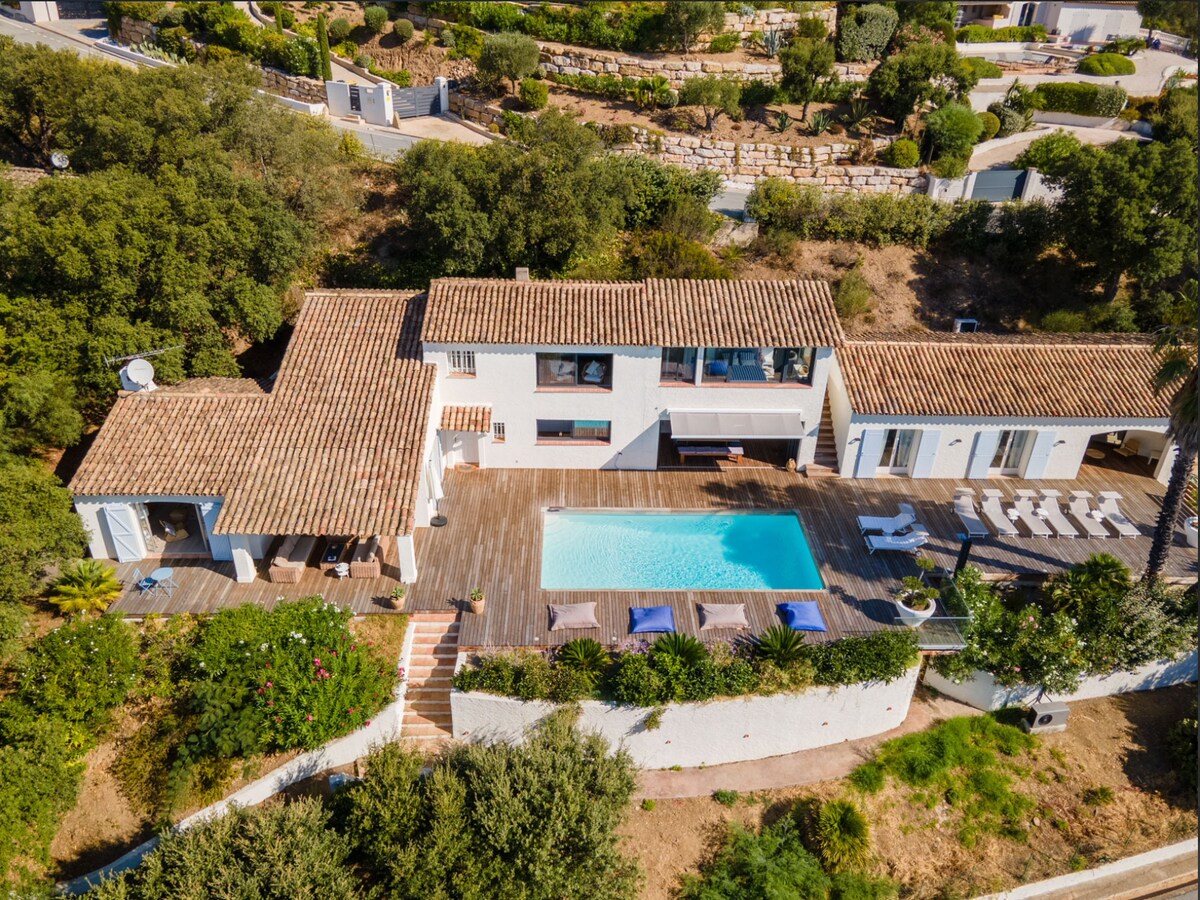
(292, 677)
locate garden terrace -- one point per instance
(494, 544)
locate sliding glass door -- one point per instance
(1010, 453)
(898, 445)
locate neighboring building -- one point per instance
(565, 375)
(982, 406)
(1081, 23)
(49, 11)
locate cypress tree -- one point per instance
(323, 42)
(278, 8)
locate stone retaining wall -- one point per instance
(298, 87)
(135, 31)
(578, 61)
(746, 163)
(766, 19)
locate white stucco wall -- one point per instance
(37, 10)
(697, 734)
(375, 104)
(982, 692)
(506, 379)
(839, 412)
(1089, 22)
(957, 439)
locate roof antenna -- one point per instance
(138, 374)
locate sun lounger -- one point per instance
(1082, 513)
(1114, 516)
(891, 525)
(907, 509)
(964, 508)
(990, 507)
(909, 543)
(1054, 516)
(1024, 507)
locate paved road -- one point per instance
(24, 33)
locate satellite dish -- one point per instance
(59, 160)
(138, 375)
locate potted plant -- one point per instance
(396, 600)
(477, 599)
(927, 567)
(915, 601)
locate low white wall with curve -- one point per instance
(982, 692)
(705, 734)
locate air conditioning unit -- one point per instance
(1046, 718)
(965, 325)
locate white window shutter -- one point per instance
(986, 443)
(922, 466)
(1039, 454)
(125, 532)
(870, 452)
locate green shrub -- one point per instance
(1049, 154)
(682, 648)
(80, 672)
(953, 130)
(724, 43)
(534, 94)
(853, 295)
(1098, 796)
(306, 857)
(983, 68)
(902, 154)
(991, 125)
(981, 34)
(864, 32)
(773, 863)
(1106, 64)
(376, 19)
(301, 56)
(856, 886)
(949, 166)
(884, 656)
(339, 29)
(842, 836)
(586, 656)
(536, 821)
(1181, 741)
(648, 805)
(14, 623)
(726, 798)
(1080, 99)
(779, 645)
(177, 41)
(1012, 121)
(869, 777)
(1126, 46)
(215, 53)
(403, 29)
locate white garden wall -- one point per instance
(982, 692)
(705, 734)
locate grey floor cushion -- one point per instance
(573, 615)
(723, 615)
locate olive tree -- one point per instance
(507, 56)
(806, 64)
(685, 19)
(714, 96)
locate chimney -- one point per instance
(522, 273)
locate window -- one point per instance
(769, 365)
(590, 430)
(897, 450)
(1010, 452)
(587, 370)
(498, 432)
(1027, 11)
(678, 365)
(462, 362)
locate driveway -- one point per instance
(1002, 157)
(60, 38)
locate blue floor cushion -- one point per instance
(651, 618)
(802, 615)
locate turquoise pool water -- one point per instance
(651, 551)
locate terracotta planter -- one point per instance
(477, 606)
(395, 602)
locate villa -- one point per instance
(460, 438)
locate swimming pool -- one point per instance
(676, 551)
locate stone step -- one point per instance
(422, 731)
(430, 683)
(434, 617)
(816, 471)
(429, 704)
(419, 672)
(424, 638)
(412, 719)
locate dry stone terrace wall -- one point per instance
(766, 19)
(557, 60)
(135, 31)
(746, 162)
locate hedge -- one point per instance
(979, 34)
(1103, 100)
(984, 68)
(863, 33)
(1106, 64)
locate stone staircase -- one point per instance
(430, 668)
(825, 461)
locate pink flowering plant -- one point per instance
(293, 677)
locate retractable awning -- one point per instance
(691, 425)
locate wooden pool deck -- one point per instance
(493, 540)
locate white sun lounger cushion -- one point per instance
(573, 615)
(723, 615)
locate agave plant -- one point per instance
(779, 645)
(585, 656)
(683, 647)
(772, 42)
(819, 122)
(843, 836)
(86, 586)
(782, 122)
(860, 116)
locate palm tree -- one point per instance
(1176, 348)
(86, 586)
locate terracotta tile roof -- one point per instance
(654, 313)
(249, 386)
(467, 418)
(1002, 376)
(334, 448)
